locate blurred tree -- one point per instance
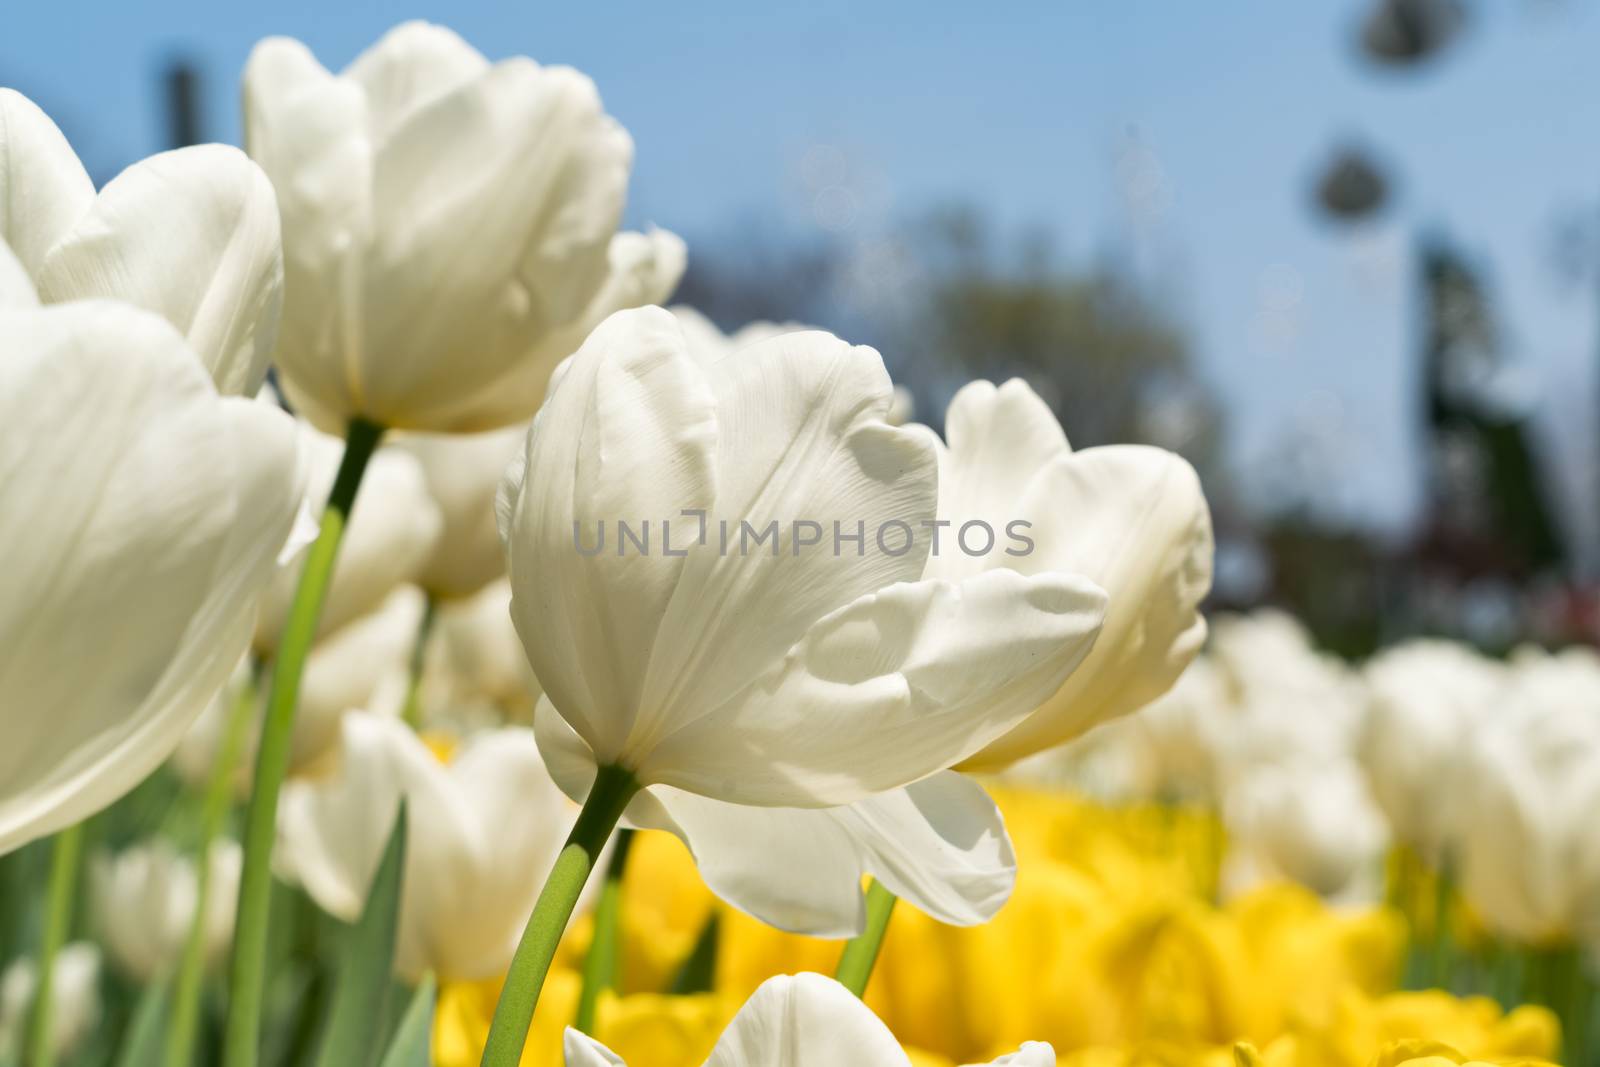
(947, 302)
(1490, 511)
(1114, 364)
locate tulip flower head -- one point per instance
(75, 999)
(803, 674)
(788, 675)
(1530, 861)
(1428, 699)
(143, 899)
(479, 829)
(449, 228)
(190, 234)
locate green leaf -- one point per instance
(144, 1044)
(699, 970)
(413, 1041)
(355, 1023)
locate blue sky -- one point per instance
(1191, 130)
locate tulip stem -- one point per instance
(613, 788)
(185, 1019)
(861, 952)
(247, 976)
(600, 964)
(66, 857)
(412, 711)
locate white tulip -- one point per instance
(791, 680)
(195, 757)
(142, 904)
(802, 1020)
(781, 678)
(478, 832)
(1528, 790)
(74, 999)
(144, 516)
(475, 665)
(390, 536)
(1130, 518)
(1314, 823)
(449, 227)
(190, 234)
(1428, 699)
(462, 473)
(365, 664)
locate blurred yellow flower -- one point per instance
(1110, 949)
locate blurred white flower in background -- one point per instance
(75, 1004)
(363, 665)
(142, 901)
(1528, 789)
(449, 227)
(190, 234)
(462, 473)
(481, 829)
(476, 670)
(1429, 700)
(1316, 825)
(390, 537)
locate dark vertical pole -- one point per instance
(182, 82)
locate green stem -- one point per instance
(66, 859)
(185, 1019)
(608, 798)
(419, 648)
(861, 952)
(248, 972)
(601, 964)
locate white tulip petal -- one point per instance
(999, 437)
(581, 1050)
(43, 187)
(888, 690)
(629, 433)
(800, 437)
(459, 286)
(642, 269)
(481, 831)
(144, 516)
(806, 1020)
(938, 844)
(1133, 519)
(463, 473)
(350, 669)
(331, 834)
(16, 288)
(409, 67)
(308, 130)
(192, 235)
